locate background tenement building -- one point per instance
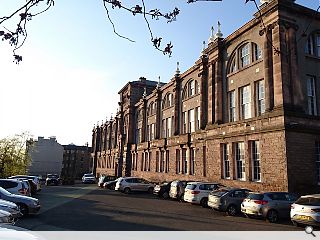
(245, 114)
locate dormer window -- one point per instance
(313, 44)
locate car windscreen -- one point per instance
(5, 192)
(255, 196)
(191, 186)
(219, 193)
(88, 175)
(309, 201)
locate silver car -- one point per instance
(26, 204)
(128, 184)
(6, 217)
(11, 208)
(35, 179)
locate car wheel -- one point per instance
(150, 190)
(23, 209)
(204, 202)
(272, 216)
(165, 195)
(127, 190)
(296, 224)
(232, 210)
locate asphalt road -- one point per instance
(89, 208)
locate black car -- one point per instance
(52, 179)
(110, 184)
(162, 190)
(104, 179)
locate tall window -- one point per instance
(257, 52)
(311, 91)
(152, 131)
(162, 164)
(192, 88)
(232, 106)
(169, 124)
(313, 45)
(197, 118)
(149, 162)
(167, 161)
(184, 122)
(240, 164)
(178, 168)
(226, 161)
(191, 127)
(157, 161)
(164, 128)
(245, 102)
(192, 161)
(184, 161)
(255, 156)
(260, 97)
(318, 161)
(245, 55)
(142, 159)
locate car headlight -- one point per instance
(6, 219)
(35, 203)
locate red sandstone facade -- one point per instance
(245, 114)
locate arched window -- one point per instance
(244, 55)
(190, 89)
(152, 108)
(232, 64)
(313, 44)
(167, 101)
(139, 114)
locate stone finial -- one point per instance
(158, 84)
(211, 39)
(144, 95)
(219, 33)
(111, 117)
(177, 70)
(203, 48)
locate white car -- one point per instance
(15, 186)
(198, 192)
(88, 178)
(35, 179)
(6, 217)
(128, 184)
(306, 210)
(11, 208)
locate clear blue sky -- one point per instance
(74, 65)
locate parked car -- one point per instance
(110, 185)
(306, 211)
(14, 186)
(35, 179)
(103, 179)
(269, 205)
(27, 185)
(52, 179)
(162, 190)
(26, 204)
(198, 192)
(88, 178)
(228, 199)
(6, 217)
(128, 184)
(177, 189)
(11, 208)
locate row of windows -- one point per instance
(108, 162)
(240, 159)
(245, 102)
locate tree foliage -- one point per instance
(17, 35)
(14, 158)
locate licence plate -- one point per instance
(301, 217)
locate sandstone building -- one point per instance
(245, 114)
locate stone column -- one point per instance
(188, 160)
(211, 91)
(158, 114)
(218, 91)
(177, 104)
(268, 69)
(203, 72)
(144, 121)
